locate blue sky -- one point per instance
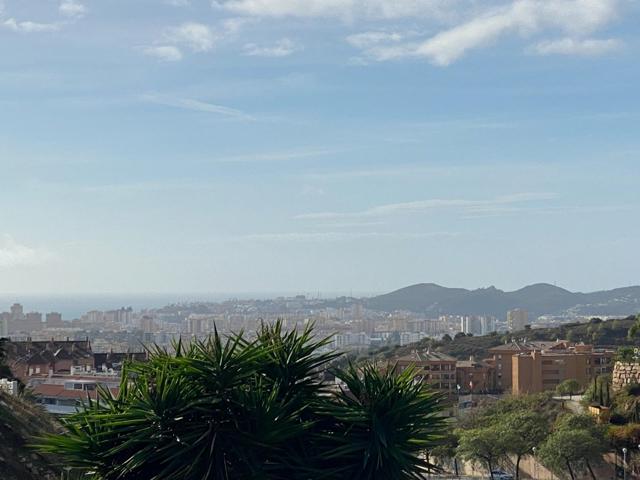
(318, 145)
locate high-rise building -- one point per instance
(487, 325)
(517, 319)
(54, 320)
(4, 326)
(471, 325)
(32, 322)
(17, 312)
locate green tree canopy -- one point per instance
(574, 446)
(521, 432)
(482, 445)
(568, 387)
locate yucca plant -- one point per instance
(382, 423)
(252, 409)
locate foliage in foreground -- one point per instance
(511, 426)
(575, 444)
(240, 409)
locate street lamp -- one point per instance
(624, 463)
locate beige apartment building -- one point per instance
(500, 358)
(537, 371)
(438, 369)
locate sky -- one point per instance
(318, 145)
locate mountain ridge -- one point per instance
(538, 299)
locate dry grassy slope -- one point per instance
(20, 422)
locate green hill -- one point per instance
(610, 333)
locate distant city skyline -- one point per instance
(317, 146)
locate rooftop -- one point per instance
(426, 357)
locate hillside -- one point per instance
(20, 422)
(610, 333)
(538, 299)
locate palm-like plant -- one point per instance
(381, 425)
(241, 409)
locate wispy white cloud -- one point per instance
(142, 187)
(339, 236)
(72, 9)
(282, 48)
(571, 46)
(366, 40)
(577, 18)
(165, 53)
(344, 9)
(14, 254)
(282, 156)
(29, 27)
(196, 36)
(197, 105)
(421, 206)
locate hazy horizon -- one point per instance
(73, 305)
(289, 146)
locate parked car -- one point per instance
(501, 475)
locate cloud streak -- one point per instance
(282, 48)
(422, 206)
(583, 47)
(347, 10)
(323, 237)
(72, 9)
(30, 27)
(524, 18)
(197, 106)
(165, 53)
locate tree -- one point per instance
(485, 445)
(521, 432)
(447, 450)
(626, 354)
(635, 329)
(569, 451)
(599, 392)
(576, 443)
(221, 409)
(568, 387)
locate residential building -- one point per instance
(4, 326)
(517, 319)
(31, 359)
(500, 358)
(32, 322)
(10, 387)
(471, 325)
(54, 320)
(540, 370)
(438, 369)
(17, 312)
(487, 325)
(62, 395)
(475, 376)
